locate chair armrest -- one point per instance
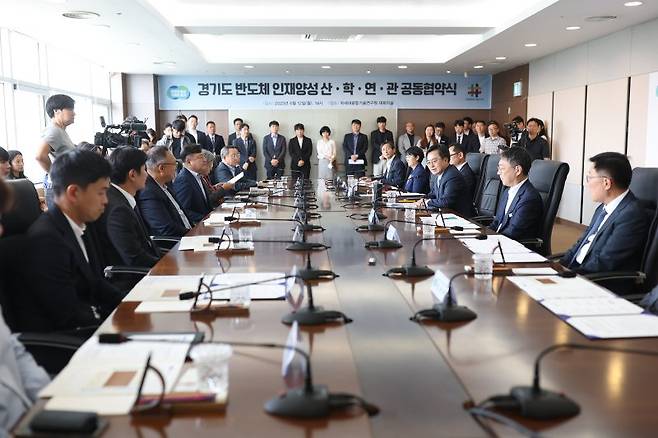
(111, 271)
(556, 256)
(484, 220)
(536, 242)
(52, 340)
(596, 277)
(165, 243)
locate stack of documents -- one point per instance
(592, 310)
(202, 243)
(513, 250)
(105, 378)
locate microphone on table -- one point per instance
(314, 315)
(235, 217)
(413, 270)
(387, 243)
(294, 245)
(309, 273)
(450, 311)
(309, 401)
(303, 207)
(540, 404)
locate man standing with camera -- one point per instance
(516, 130)
(534, 142)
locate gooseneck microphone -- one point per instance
(314, 315)
(310, 215)
(540, 404)
(386, 243)
(413, 270)
(309, 401)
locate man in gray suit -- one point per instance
(274, 150)
(408, 139)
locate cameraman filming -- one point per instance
(534, 142)
(517, 131)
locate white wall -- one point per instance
(600, 70)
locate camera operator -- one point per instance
(517, 131)
(534, 142)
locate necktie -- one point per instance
(459, 139)
(212, 140)
(593, 230)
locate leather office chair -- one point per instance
(477, 163)
(25, 210)
(548, 177)
(488, 194)
(635, 284)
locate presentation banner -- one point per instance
(272, 92)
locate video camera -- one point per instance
(129, 133)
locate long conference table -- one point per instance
(419, 375)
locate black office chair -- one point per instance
(548, 177)
(25, 209)
(486, 198)
(633, 285)
(477, 163)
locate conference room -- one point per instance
(328, 218)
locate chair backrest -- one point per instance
(476, 162)
(25, 210)
(644, 186)
(548, 177)
(486, 198)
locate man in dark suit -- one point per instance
(469, 142)
(198, 137)
(520, 209)
(440, 133)
(615, 239)
(157, 203)
(121, 230)
(188, 185)
(355, 146)
(179, 137)
(247, 147)
(229, 168)
(274, 152)
(67, 289)
(458, 159)
(300, 149)
(448, 190)
(395, 170)
(377, 138)
(237, 125)
(215, 141)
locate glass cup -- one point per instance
(428, 229)
(211, 363)
(240, 296)
(409, 214)
(483, 266)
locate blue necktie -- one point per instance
(593, 229)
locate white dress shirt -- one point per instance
(199, 181)
(608, 208)
(130, 198)
(326, 149)
(78, 231)
(459, 166)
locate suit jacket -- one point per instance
(303, 153)
(361, 147)
(159, 214)
(123, 234)
(450, 192)
(443, 139)
(192, 197)
(418, 180)
(271, 151)
(619, 244)
(396, 174)
(524, 217)
(404, 144)
(247, 149)
(223, 173)
(232, 137)
(469, 177)
(216, 146)
(470, 142)
(177, 144)
(66, 291)
(377, 139)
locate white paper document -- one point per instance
(197, 244)
(591, 306)
(534, 271)
(164, 306)
(164, 287)
(543, 287)
(616, 326)
(219, 220)
(236, 178)
(232, 205)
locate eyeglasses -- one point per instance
(434, 161)
(588, 178)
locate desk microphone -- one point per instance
(449, 311)
(386, 243)
(305, 208)
(541, 404)
(413, 270)
(303, 226)
(294, 245)
(309, 401)
(314, 315)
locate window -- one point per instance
(30, 123)
(24, 58)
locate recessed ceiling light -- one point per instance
(448, 71)
(631, 4)
(402, 66)
(81, 15)
(501, 58)
(572, 28)
(600, 18)
(248, 66)
(368, 72)
(326, 67)
(478, 66)
(287, 72)
(530, 44)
